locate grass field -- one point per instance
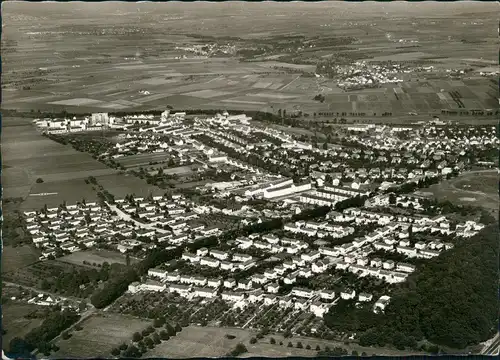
(14, 258)
(195, 341)
(477, 188)
(14, 323)
(95, 256)
(121, 185)
(28, 156)
(100, 334)
(31, 275)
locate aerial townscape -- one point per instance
(249, 179)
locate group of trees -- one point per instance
(147, 339)
(39, 337)
(451, 301)
(78, 282)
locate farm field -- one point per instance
(100, 334)
(138, 160)
(14, 258)
(32, 275)
(477, 188)
(122, 184)
(27, 156)
(195, 341)
(14, 321)
(96, 256)
(123, 67)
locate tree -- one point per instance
(136, 337)
(115, 352)
(364, 354)
(178, 327)
(170, 329)
(354, 353)
(290, 344)
(19, 347)
(149, 342)
(272, 341)
(156, 338)
(39, 180)
(238, 350)
(318, 348)
(65, 335)
(159, 322)
(131, 352)
(253, 341)
(164, 335)
(299, 345)
(308, 347)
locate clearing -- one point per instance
(14, 321)
(14, 258)
(100, 334)
(96, 256)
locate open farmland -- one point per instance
(142, 159)
(96, 256)
(32, 275)
(195, 341)
(14, 258)
(100, 334)
(27, 156)
(123, 184)
(14, 322)
(137, 65)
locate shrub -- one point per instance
(364, 354)
(308, 347)
(281, 343)
(354, 353)
(65, 335)
(318, 348)
(299, 345)
(39, 180)
(115, 352)
(290, 344)
(122, 347)
(272, 341)
(253, 341)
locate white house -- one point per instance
(327, 294)
(300, 292)
(232, 296)
(348, 294)
(364, 297)
(230, 283)
(319, 309)
(273, 288)
(381, 304)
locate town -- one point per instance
(353, 224)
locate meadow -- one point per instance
(100, 334)
(95, 256)
(14, 258)
(476, 188)
(14, 322)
